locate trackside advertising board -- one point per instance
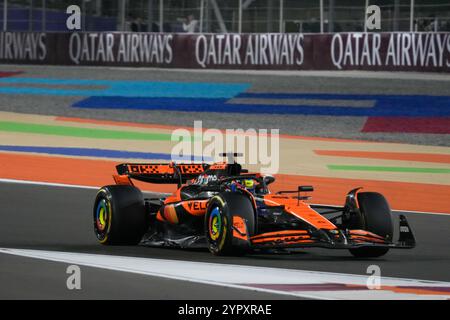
(291, 51)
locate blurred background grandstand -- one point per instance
(309, 16)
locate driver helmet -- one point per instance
(249, 184)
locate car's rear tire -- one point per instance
(374, 216)
(119, 215)
(219, 222)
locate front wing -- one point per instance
(333, 239)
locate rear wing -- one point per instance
(162, 172)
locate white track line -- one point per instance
(150, 267)
(247, 277)
(63, 185)
(51, 184)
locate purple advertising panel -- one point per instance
(289, 51)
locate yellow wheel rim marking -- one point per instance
(102, 216)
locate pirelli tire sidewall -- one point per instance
(127, 220)
(228, 204)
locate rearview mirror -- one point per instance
(305, 188)
(268, 180)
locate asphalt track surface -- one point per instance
(59, 218)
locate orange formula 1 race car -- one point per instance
(230, 211)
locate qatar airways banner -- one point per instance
(291, 51)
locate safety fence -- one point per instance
(223, 16)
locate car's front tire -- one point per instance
(219, 222)
(119, 215)
(374, 216)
